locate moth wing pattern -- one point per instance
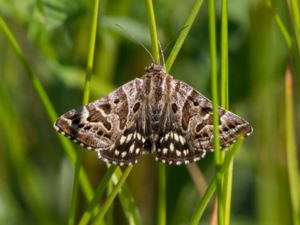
(196, 119)
(111, 125)
(189, 126)
(155, 113)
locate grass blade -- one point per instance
(86, 95)
(227, 185)
(38, 88)
(213, 184)
(161, 168)
(214, 82)
(295, 17)
(183, 34)
(153, 31)
(88, 213)
(291, 148)
(161, 217)
(111, 197)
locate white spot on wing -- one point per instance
(181, 140)
(131, 148)
(167, 136)
(178, 153)
(165, 151)
(171, 147)
(176, 137)
(123, 154)
(137, 151)
(128, 138)
(196, 159)
(122, 140)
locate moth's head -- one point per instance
(155, 68)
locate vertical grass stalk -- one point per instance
(214, 86)
(49, 109)
(227, 179)
(153, 30)
(90, 210)
(183, 34)
(291, 148)
(213, 184)
(295, 17)
(99, 219)
(86, 95)
(161, 214)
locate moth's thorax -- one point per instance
(157, 87)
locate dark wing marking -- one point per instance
(191, 121)
(108, 125)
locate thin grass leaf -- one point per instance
(38, 88)
(295, 17)
(227, 178)
(85, 100)
(161, 217)
(282, 28)
(111, 197)
(153, 30)
(90, 211)
(127, 201)
(218, 155)
(183, 34)
(26, 174)
(213, 184)
(161, 214)
(291, 148)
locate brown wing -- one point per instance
(189, 131)
(111, 125)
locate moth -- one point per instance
(152, 114)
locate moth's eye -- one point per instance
(116, 101)
(196, 103)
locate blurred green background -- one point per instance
(35, 173)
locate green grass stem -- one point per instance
(183, 34)
(127, 201)
(21, 165)
(282, 28)
(295, 17)
(90, 210)
(227, 179)
(291, 148)
(153, 30)
(85, 100)
(161, 214)
(99, 218)
(224, 55)
(214, 82)
(161, 217)
(49, 109)
(213, 184)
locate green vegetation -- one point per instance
(58, 54)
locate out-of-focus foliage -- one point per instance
(35, 174)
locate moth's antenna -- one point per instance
(134, 39)
(162, 55)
